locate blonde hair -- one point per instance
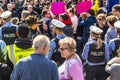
(101, 15)
(99, 40)
(70, 42)
(111, 19)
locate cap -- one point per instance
(117, 24)
(6, 14)
(95, 30)
(57, 23)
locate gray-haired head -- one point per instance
(40, 41)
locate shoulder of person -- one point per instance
(51, 62)
(71, 62)
(1, 41)
(53, 40)
(113, 60)
(114, 39)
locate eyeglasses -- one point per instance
(62, 49)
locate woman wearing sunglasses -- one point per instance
(101, 23)
(72, 68)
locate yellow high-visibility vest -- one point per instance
(15, 53)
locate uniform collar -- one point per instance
(8, 24)
(60, 36)
(37, 54)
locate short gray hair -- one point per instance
(40, 41)
(25, 13)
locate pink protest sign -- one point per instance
(83, 6)
(58, 7)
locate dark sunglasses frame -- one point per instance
(99, 19)
(62, 49)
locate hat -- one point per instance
(6, 14)
(117, 24)
(57, 23)
(95, 30)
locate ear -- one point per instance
(17, 34)
(44, 48)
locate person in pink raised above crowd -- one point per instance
(72, 68)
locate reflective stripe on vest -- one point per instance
(15, 53)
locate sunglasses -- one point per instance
(62, 49)
(99, 19)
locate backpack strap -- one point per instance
(56, 56)
(12, 54)
(56, 40)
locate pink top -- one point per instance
(71, 68)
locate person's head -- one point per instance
(15, 20)
(83, 16)
(90, 13)
(111, 20)
(9, 7)
(41, 44)
(36, 2)
(95, 32)
(23, 31)
(24, 14)
(116, 10)
(4, 2)
(13, 4)
(31, 2)
(46, 13)
(101, 18)
(32, 22)
(6, 16)
(57, 26)
(101, 11)
(67, 46)
(48, 3)
(74, 7)
(30, 8)
(63, 16)
(46, 8)
(71, 12)
(117, 26)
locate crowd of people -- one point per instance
(36, 44)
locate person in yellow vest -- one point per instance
(22, 46)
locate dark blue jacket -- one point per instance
(35, 67)
(110, 4)
(87, 23)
